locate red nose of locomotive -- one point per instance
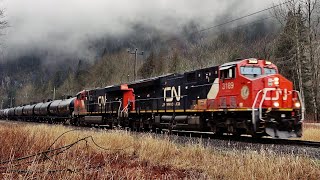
(278, 93)
(276, 107)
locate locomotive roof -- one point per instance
(150, 79)
(231, 63)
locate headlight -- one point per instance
(297, 105)
(276, 104)
(276, 81)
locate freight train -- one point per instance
(247, 96)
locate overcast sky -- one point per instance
(66, 24)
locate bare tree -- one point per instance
(3, 21)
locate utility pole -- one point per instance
(136, 53)
(54, 93)
(11, 103)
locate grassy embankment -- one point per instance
(311, 132)
(118, 154)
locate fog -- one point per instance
(62, 28)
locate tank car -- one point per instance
(44, 109)
(11, 113)
(53, 108)
(2, 113)
(5, 113)
(66, 107)
(18, 112)
(28, 112)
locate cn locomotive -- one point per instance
(247, 96)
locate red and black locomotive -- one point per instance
(248, 96)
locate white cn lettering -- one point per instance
(102, 100)
(285, 94)
(274, 98)
(174, 94)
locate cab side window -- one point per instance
(228, 73)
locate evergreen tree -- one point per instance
(148, 68)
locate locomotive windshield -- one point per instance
(268, 71)
(250, 71)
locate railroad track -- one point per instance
(248, 139)
(207, 135)
(294, 142)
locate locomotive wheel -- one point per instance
(110, 125)
(257, 135)
(236, 133)
(216, 131)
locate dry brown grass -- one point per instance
(311, 132)
(122, 155)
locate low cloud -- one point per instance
(63, 28)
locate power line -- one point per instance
(236, 19)
(252, 22)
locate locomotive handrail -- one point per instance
(125, 110)
(265, 91)
(103, 106)
(139, 101)
(155, 98)
(253, 109)
(119, 109)
(302, 105)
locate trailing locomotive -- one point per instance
(248, 96)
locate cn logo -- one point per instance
(174, 93)
(102, 100)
